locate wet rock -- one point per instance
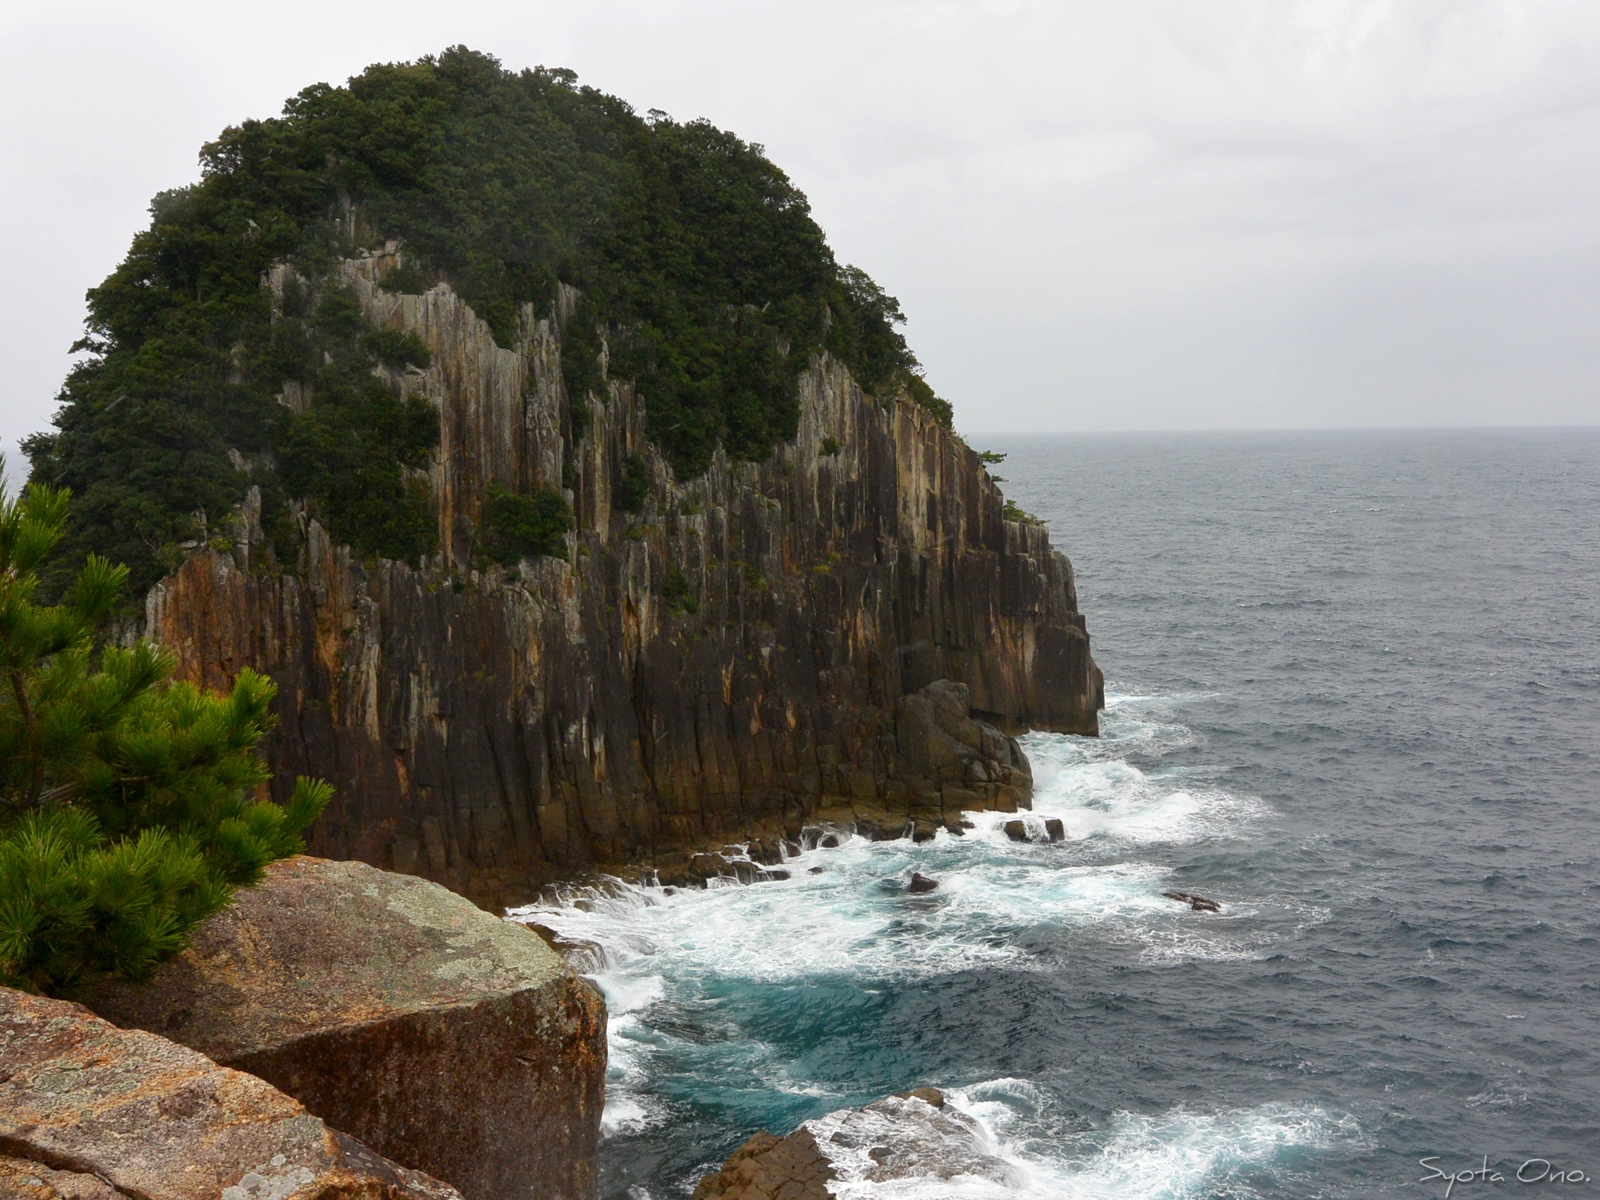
(976, 766)
(777, 873)
(706, 866)
(441, 1036)
(915, 1138)
(1055, 829)
(768, 1167)
(829, 841)
(89, 1111)
(922, 832)
(920, 883)
(745, 871)
(924, 1142)
(767, 853)
(816, 870)
(1017, 831)
(580, 954)
(1197, 903)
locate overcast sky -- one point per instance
(1124, 214)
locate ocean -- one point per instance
(1353, 695)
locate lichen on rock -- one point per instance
(447, 1039)
(92, 1112)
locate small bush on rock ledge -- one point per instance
(128, 809)
(517, 526)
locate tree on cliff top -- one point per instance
(697, 260)
(127, 802)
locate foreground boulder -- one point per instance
(92, 1112)
(442, 1036)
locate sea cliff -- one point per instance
(728, 660)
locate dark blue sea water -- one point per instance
(1354, 687)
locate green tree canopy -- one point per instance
(698, 262)
(128, 809)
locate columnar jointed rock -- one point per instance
(446, 1038)
(495, 730)
(92, 1112)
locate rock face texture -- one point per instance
(443, 1037)
(726, 662)
(768, 1167)
(92, 1112)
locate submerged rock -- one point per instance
(908, 1137)
(1197, 903)
(92, 1112)
(921, 883)
(444, 1037)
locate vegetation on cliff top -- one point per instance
(128, 808)
(699, 266)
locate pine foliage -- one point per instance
(128, 803)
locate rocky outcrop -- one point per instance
(92, 1112)
(395, 1010)
(739, 656)
(768, 1167)
(914, 1138)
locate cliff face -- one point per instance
(727, 661)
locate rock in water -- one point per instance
(1017, 831)
(914, 1137)
(119, 1113)
(770, 1167)
(443, 1037)
(1197, 903)
(1056, 829)
(921, 883)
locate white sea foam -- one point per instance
(1017, 1151)
(997, 903)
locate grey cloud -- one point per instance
(1157, 214)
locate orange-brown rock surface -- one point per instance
(729, 661)
(445, 1038)
(92, 1112)
(768, 1167)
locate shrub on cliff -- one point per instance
(702, 277)
(127, 802)
(518, 526)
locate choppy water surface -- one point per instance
(1355, 696)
